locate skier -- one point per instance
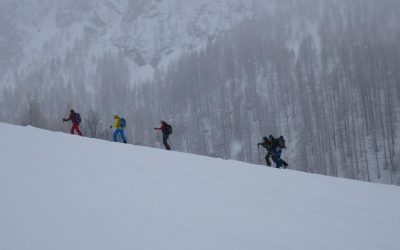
(274, 147)
(268, 146)
(119, 125)
(75, 119)
(166, 130)
(277, 145)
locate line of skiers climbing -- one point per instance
(119, 126)
(274, 146)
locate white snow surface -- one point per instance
(59, 191)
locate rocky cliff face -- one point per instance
(149, 34)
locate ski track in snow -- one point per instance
(59, 191)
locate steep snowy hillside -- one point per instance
(148, 33)
(59, 191)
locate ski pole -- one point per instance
(259, 156)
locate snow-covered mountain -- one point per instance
(59, 191)
(322, 73)
(148, 33)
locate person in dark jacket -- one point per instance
(274, 150)
(166, 130)
(267, 144)
(75, 120)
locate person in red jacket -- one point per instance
(166, 130)
(75, 118)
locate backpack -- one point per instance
(122, 122)
(78, 118)
(168, 129)
(281, 142)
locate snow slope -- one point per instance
(59, 191)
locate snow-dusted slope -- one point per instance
(59, 191)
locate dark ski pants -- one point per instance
(276, 157)
(267, 158)
(165, 142)
(121, 133)
(278, 161)
(75, 127)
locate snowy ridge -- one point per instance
(59, 191)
